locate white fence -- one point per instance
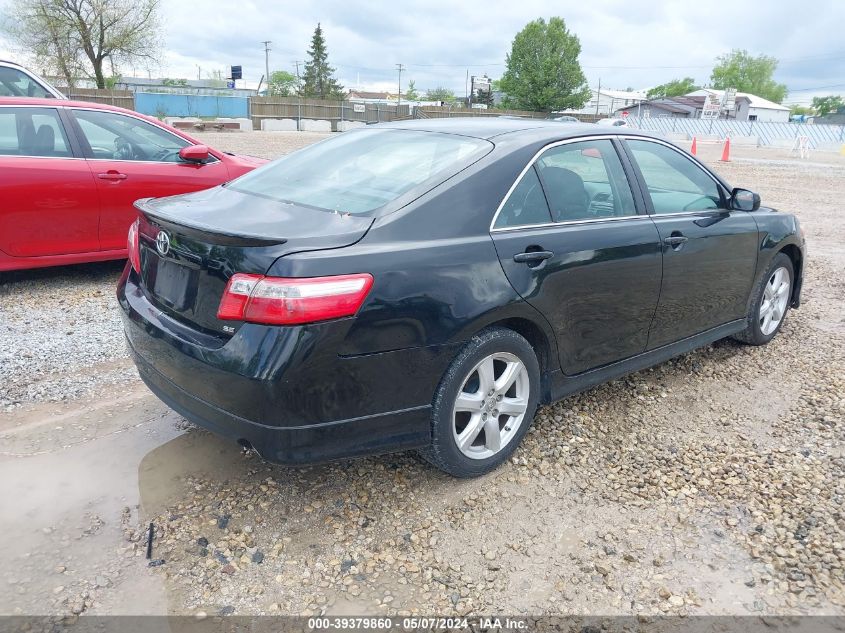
(769, 133)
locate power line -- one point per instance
(818, 88)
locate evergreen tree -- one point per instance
(411, 93)
(318, 81)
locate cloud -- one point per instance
(623, 43)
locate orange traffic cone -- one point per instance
(693, 149)
(726, 152)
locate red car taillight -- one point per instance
(134, 248)
(289, 301)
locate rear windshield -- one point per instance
(358, 172)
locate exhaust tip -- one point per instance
(247, 446)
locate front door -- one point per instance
(573, 245)
(131, 159)
(49, 200)
(709, 251)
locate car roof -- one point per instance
(34, 101)
(490, 127)
(89, 105)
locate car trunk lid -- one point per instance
(190, 245)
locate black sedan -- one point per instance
(427, 284)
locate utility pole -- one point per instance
(466, 88)
(296, 63)
(598, 97)
(400, 68)
(267, 63)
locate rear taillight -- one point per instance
(133, 247)
(289, 301)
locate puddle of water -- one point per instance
(196, 452)
(64, 509)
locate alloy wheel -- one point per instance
(490, 406)
(774, 301)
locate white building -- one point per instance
(749, 107)
(606, 102)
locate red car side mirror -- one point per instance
(194, 153)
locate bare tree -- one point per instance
(78, 37)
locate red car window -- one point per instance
(32, 132)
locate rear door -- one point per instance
(49, 200)
(709, 251)
(130, 159)
(574, 245)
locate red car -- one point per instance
(70, 171)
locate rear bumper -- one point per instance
(285, 390)
(367, 435)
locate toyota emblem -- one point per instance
(163, 243)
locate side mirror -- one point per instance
(744, 200)
(194, 153)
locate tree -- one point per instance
(674, 88)
(439, 94)
(738, 69)
(543, 72)
(798, 110)
(827, 105)
(318, 79)
(411, 93)
(79, 37)
(282, 84)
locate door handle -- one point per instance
(532, 256)
(675, 241)
(112, 175)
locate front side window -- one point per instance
(585, 181)
(675, 183)
(115, 136)
(359, 172)
(32, 132)
(16, 83)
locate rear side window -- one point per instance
(526, 205)
(15, 83)
(32, 132)
(359, 172)
(675, 183)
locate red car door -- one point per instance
(131, 158)
(49, 202)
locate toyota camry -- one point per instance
(427, 284)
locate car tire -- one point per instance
(497, 378)
(769, 302)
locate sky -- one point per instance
(624, 44)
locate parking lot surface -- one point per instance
(710, 484)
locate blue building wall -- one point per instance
(159, 104)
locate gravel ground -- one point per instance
(711, 484)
